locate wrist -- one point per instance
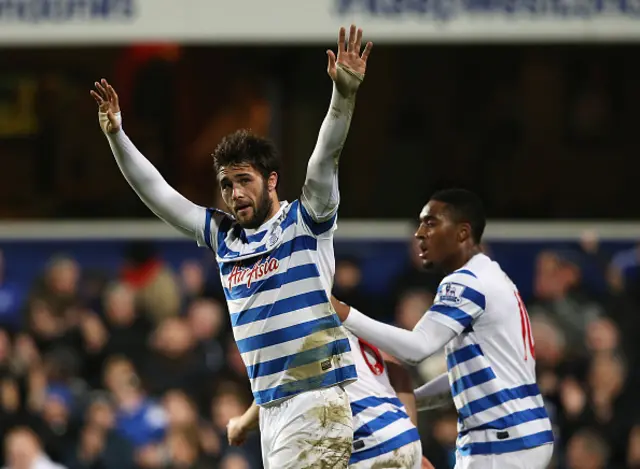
(341, 104)
(108, 126)
(347, 82)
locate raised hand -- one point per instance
(349, 61)
(108, 105)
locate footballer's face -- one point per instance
(437, 235)
(248, 194)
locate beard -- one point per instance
(260, 211)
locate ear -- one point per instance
(272, 181)
(464, 232)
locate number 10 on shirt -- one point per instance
(527, 335)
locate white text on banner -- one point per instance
(83, 22)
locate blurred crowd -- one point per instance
(139, 370)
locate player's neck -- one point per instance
(275, 208)
(460, 260)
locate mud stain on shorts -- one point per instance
(332, 414)
(396, 460)
(327, 451)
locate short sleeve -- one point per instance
(459, 301)
(212, 223)
(319, 229)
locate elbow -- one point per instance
(416, 358)
(418, 354)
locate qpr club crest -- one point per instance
(274, 237)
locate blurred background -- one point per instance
(115, 346)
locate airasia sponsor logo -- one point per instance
(248, 275)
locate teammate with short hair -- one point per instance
(480, 319)
(277, 263)
(383, 408)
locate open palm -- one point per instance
(108, 104)
(349, 56)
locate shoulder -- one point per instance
(460, 279)
(318, 227)
(461, 285)
(215, 214)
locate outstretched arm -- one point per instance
(398, 376)
(427, 338)
(141, 175)
(409, 346)
(320, 196)
(459, 301)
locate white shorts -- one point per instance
(534, 458)
(407, 457)
(312, 430)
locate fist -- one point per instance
(236, 431)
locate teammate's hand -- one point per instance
(236, 431)
(108, 107)
(348, 68)
(341, 309)
(426, 464)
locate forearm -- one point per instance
(251, 417)
(409, 346)
(152, 189)
(320, 194)
(403, 386)
(434, 394)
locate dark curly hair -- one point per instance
(244, 147)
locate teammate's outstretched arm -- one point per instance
(412, 347)
(320, 196)
(458, 302)
(143, 177)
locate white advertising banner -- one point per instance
(42, 22)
